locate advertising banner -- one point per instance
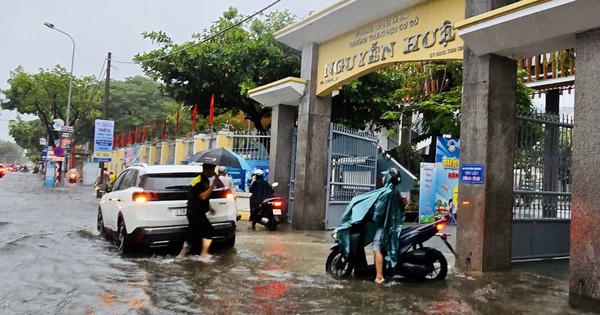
(427, 192)
(447, 159)
(103, 140)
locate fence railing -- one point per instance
(542, 172)
(251, 145)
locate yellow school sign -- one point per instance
(423, 32)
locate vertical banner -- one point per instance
(103, 140)
(427, 192)
(447, 160)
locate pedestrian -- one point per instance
(260, 190)
(224, 177)
(382, 213)
(200, 230)
(111, 179)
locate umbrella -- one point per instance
(220, 156)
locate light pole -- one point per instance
(51, 26)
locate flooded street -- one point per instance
(53, 261)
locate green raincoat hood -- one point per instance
(381, 207)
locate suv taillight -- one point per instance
(143, 196)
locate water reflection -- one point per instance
(269, 294)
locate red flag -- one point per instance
(194, 113)
(177, 123)
(144, 134)
(122, 140)
(212, 109)
(115, 138)
(129, 138)
(153, 128)
(164, 133)
(135, 137)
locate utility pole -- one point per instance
(106, 101)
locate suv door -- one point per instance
(110, 201)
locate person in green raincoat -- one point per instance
(382, 211)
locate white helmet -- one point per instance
(222, 170)
(258, 172)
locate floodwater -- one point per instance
(53, 261)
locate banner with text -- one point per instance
(447, 158)
(103, 140)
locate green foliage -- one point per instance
(362, 102)
(227, 65)
(10, 152)
(45, 95)
(27, 135)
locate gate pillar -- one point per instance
(484, 234)
(283, 118)
(584, 280)
(314, 116)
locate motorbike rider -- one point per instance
(260, 190)
(225, 179)
(382, 213)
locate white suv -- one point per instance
(146, 208)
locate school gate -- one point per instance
(352, 170)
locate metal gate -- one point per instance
(290, 211)
(542, 186)
(352, 169)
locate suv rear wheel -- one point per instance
(125, 246)
(229, 243)
(100, 224)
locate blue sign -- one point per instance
(471, 174)
(103, 140)
(49, 178)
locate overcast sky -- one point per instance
(102, 26)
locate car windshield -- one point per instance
(170, 181)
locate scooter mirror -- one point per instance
(275, 184)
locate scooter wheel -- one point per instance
(439, 265)
(337, 266)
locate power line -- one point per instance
(206, 39)
(100, 77)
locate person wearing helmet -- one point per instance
(260, 190)
(383, 212)
(225, 179)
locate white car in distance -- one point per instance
(146, 208)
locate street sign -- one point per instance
(59, 151)
(471, 174)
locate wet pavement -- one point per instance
(53, 261)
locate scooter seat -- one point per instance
(409, 229)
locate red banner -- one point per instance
(135, 137)
(153, 129)
(164, 133)
(194, 114)
(212, 110)
(129, 140)
(144, 134)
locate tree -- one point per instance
(362, 102)
(10, 152)
(27, 135)
(228, 65)
(45, 95)
(434, 90)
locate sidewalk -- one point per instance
(537, 287)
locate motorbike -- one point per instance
(269, 211)
(73, 178)
(414, 261)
